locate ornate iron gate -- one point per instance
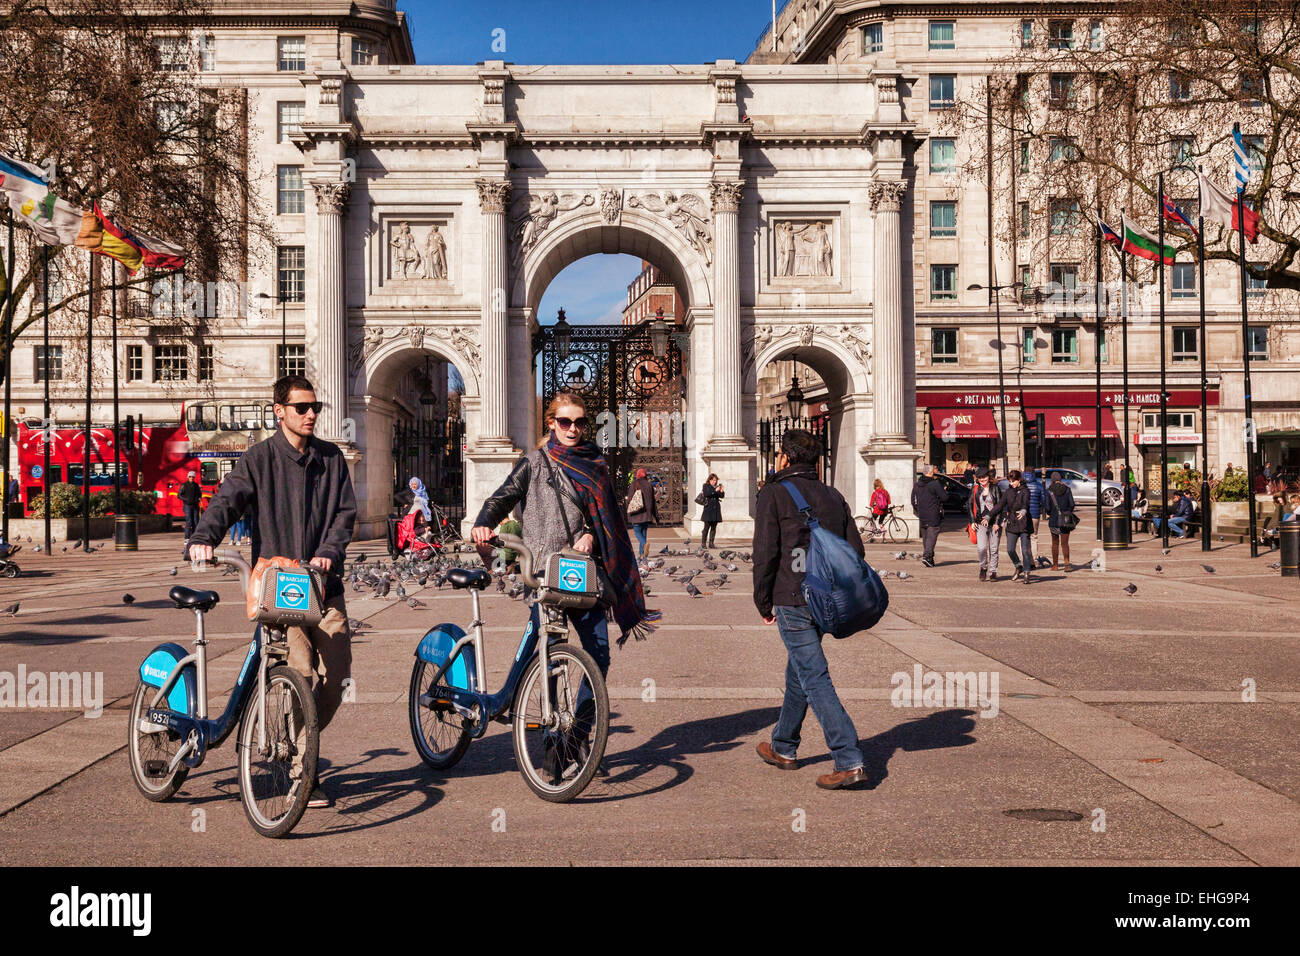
(770, 431)
(635, 404)
(430, 449)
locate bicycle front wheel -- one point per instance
(152, 753)
(897, 530)
(277, 777)
(558, 760)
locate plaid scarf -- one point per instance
(584, 464)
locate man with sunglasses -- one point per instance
(298, 493)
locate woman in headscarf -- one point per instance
(641, 495)
(420, 498)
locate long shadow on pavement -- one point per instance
(937, 731)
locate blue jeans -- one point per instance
(1025, 561)
(191, 520)
(808, 681)
(1175, 525)
(593, 632)
(639, 530)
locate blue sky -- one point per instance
(586, 31)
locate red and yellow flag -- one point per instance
(100, 236)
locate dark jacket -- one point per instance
(1060, 501)
(1015, 500)
(996, 514)
(1185, 508)
(301, 504)
(779, 529)
(927, 501)
(550, 519)
(1036, 502)
(648, 514)
(712, 503)
(190, 493)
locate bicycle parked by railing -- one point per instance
(554, 696)
(169, 732)
(889, 528)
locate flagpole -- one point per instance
(1205, 428)
(1097, 362)
(90, 341)
(117, 455)
(1164, 396)
(1123, 320)
(1252, 441)
(47, 427)
(8, 317)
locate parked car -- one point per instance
(956, 496)
(1082, 487)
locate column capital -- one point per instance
(726, 195)
(886, 196)
(493, 194)
(332, 197)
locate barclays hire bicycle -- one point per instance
(554, 695)
(169, 732)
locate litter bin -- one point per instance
(1114, 530)
(126, 533)
(1289, 538)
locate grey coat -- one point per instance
(541, 508)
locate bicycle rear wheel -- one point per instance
(440, 733)
(896, 529)
(275, 783)
(150, 754)
(559, 761)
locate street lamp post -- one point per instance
(284, 340)
(994, 290)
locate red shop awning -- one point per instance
(956, 423)
(1075, 422)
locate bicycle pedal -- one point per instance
(155, 768)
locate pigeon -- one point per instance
(401, 591)
(128, 598)
(29, 539)
(501, 584)
(75, 546)
(12, 609)
(692, 590)
(415, 603)
(355, 625)
(65, 547)
(1130, 589)
(900, 555)
(687, 542)
(1207, 569)
(172, 573)
(1275, 565)
(1159, 569)
(903, 575)
(516, 593)
(1164, 550)
(664, 549)
(37, 548)
(670, 571)
(731, 567)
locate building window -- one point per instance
(364, 52)
(1065, 217)
(943, 219)
(1175, 421)
(207, 53)
(943, 346)
(1184, 280)
(1254, 152)
(172, 54)
(1026, 34)
(1022, 90)
(873, 38)
(135, 363)
(943, 90)
(943, 283)
(1182, 152)
(1024, 155)
(1257, 336)
(1060, 35)
(1180, 87)
(1065, 345)
(1252, 89)
(289, 190)
(943, 35)
(292, 54)
(54, 364)
(1096, 38)
(1025, 275)
(1028, 348)
(1022, 209)
(1061, 91)
(1185, 347)
(290, 360)
(1254, 286)
(1101, 345)
(289, 117)
(943, 155)
(170, 363)
(1062, 149)
(205, 363)
(1064, 278)
(292, 273)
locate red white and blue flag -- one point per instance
(1174, 214)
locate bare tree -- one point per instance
(1086, 113)
(111, 97)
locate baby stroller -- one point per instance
(8, 568)
(410, 534)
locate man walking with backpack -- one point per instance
(781, 543)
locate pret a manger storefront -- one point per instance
(965, 427)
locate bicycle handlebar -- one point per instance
(226, 556)
(515, 543)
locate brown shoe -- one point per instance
(775, 759)
(1054, 567)
(984, 573)
(841, 778)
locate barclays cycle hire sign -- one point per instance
(573, 575)
(291, 591)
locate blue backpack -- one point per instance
(843, 593)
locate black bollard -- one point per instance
(1289, 538)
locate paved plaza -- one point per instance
(1124, 711)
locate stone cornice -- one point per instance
(479, 132)
(313, 133)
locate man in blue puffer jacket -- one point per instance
(1036, 492)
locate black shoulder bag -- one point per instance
(606, 597)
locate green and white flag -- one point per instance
(1141, 243)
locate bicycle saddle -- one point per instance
(190, 599)
(469, 578)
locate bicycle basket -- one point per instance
(288, 597)
(571, 581)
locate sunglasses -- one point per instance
(302, 408)
(567, 423)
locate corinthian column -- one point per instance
(726, 312)
(332, 314)
(494, 197)
(887, 340)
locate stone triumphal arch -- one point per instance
(447, 198)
